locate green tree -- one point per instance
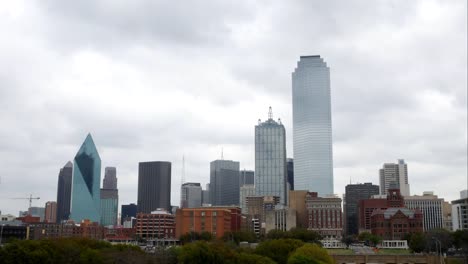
(278, 249)
(364, 236)
(441, 235)
(347, 240)
(375, 240)
(205, 252)
(460, 239)
(248, 258)
(305, 235)
(239, 236)
(310, 253)
(417, 242)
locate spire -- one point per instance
(270, 113)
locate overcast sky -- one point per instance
(155, 80)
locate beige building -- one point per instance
(280, 219)
(297, 201)
(447, 214)
(431, 206)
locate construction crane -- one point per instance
(30, 198)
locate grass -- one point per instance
(340, 251)
(393, 251)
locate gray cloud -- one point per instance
(158, 80)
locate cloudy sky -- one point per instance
(155, 80)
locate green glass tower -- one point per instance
(85, 198)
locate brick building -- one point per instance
(366, 208)
(215, 220)
(159, 224)
(325, 215)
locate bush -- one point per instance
(279, 249)
(310, 253)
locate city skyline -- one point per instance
(137, 92)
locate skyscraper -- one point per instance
(50, 212)
(86, 198)
(312, 127)
(191, 195)
(224, 182)
(354, 194)
(110, 178)
(64, 192)
(128, 211)
(154, 186)
(246, 177)
(290, 175)
(394, 173)
(270, 159)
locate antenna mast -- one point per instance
(270, 113)
(183, 170)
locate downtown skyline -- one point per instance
(401, 99)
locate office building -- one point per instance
(224, 182)
(86, 198)
(215, 220)
(206, 195)
(258, 206)
(110, 178)
(191, 195)
(366, 208)
(394, 173)
(297, 201)
(325, 215)
(127, 212)
(246, 190)
(281, 218)
(290, 173)
(50, 212)
(64, 187)
(312, 127)
(355, 193)
(460, 212)
(247, 177)
(37, 211)
(109, 207)
(154, 186)
(431, 207)
(159, 224)
(270, 159)
(447, 213)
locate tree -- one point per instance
(347, 240)
(310, 253)
(248, 258)
(375, 240)
(364, 236)
(417, 242)
(240, 236)
(442, 236)
(460, 239)
(278, 249)
(205, 252)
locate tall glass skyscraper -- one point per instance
(154, 186)
(86, 198)
(312, 127)
(270, 159)
(64, 192)
(224, 182)
(109, 197)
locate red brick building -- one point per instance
(366, 208)
(159, 224)
(324, 215)
(396, 221)
(215, 220)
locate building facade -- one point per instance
(245, 191)
(258, 206)
(312, 127)
(460, 212)
(64, 187)
(127, 212)
(355, 193)
(394, 174)
(50, 212)
(154, 186)
(290, 173)
(206, 195)
(366, 208)
(283, 219)
(190, 195)
(270, 159)
(37, 211)
(247, 177)
(110, 178)
(432, 208)
(159, 224)
(215, 220)
(325, 215)
(297, 201)
(86, 198)
(224, 182)
(109, 207)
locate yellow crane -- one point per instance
(30, 198)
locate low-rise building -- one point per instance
(159, 224)
(325, 215)
(282, 218)
(460, 212)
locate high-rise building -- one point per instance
(109, 198)
(110, 178)
(64, 187)
(431, 207)
(290, 173)
(191, 195)
(224, 182)
(246, 190)
(394, 173)
(355, 193)
(460, 212)
(206, 195)
(50, 212)
(86, 198)
(128, 211)
(312, 127)
(247, 177)
(270, 159)
(109, 207)
(154, 186)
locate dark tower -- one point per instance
(355, 193)
(64, 192)
(154, 186)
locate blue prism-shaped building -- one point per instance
(86, 198)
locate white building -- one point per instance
(246, 191)
(281, 218)
(270, 159)
(312, 127)
(191, 195)
(460, 213)
(432, 208)
(394, 173)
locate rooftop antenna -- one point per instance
(270, 113)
